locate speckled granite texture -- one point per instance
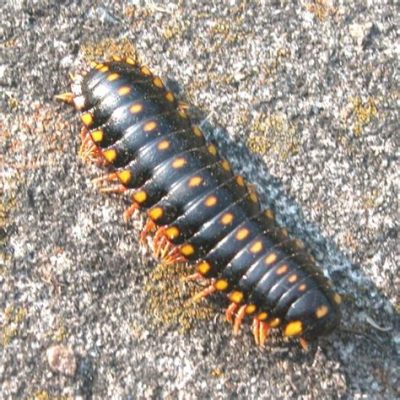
(303, 97)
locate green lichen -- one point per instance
(322, 9)
(12, 318)
(105, 49)
(364, 112)
(273, 133)
(169, 298)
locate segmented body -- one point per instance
(211, 217)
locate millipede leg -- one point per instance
(111, 177)
(204, 293)
(230, 311)
(147, 229)
(86, 145)
(193, 277)
(157, 237)
(239, 319)
(113, 189)
(303, 343)
(263, 333)
(67, 97)
(84, 133)
(255, 328)
(130, 211)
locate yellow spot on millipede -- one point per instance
(179, 163)
(292, 278)
(225, 165)
(87, 119)
(196, 130)
(250, 309)
(113, 77)
(149, 126)
(270, 258)
(240, 180)
(124, 90)
(163, 145)
(227, 219)
(293, 328)
(203, 267)
(281, 270)
(124, 176)
(253, 197)
(212, 149)
(337, 299)
(269, 214)
(236, 296)
(110, 155)
(211, 201)
(275, 323)
(221, 284)
(195, 181)
(302, 287)
(242, 234)
(262, 316)
(321, 311)
(104, 69)
(187, 250)
(140, 197)
(256, 247)
(145, 71)
(136, 108)
(170, 97)
(182, 113)
(156, 213)
(172, 232)
(158, 82)
(97, 136)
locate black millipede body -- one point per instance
(200, 211)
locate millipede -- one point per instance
(198, 211)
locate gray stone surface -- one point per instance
(302, 97)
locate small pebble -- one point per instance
(62, 359)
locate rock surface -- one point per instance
(302, 97)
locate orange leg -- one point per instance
(84, 133)
(66, 97)
(230, 311)
(91, 153)
(303, 344)
(158, 236)
(204, 293)
(193, 277)
(87, 142)
(113, 189)
(130, 211)
(111, 177)
(263, 333)
(161, 246)
(239, 319)
(255, 328)
(147, 229)
(260, 331)
(165, 250)
(106, 180)
(173, 256)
